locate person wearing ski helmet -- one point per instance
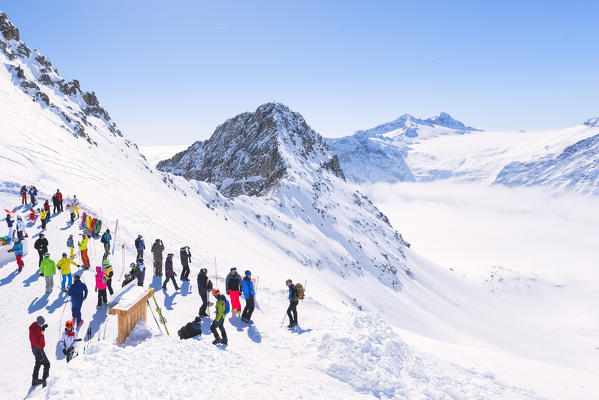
(185, 256)
(293, 301)
(38, 342)
(101, 287)
(233, 285)
(78, 294)
(219, 320)
(71, 244)
(107, 267)
(64, 265)
(140, 246)
(68, 340)
(17, 248)
(248, 292)
(47, 270)
(204, 286)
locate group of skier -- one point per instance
(77, 290)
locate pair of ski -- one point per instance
(160, 316)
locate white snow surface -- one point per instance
(442, 336)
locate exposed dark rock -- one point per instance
(8, 30)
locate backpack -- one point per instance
(227, 307)
(300, 291)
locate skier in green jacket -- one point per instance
(219, 320)
(47, 270)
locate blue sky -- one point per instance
(170, 72)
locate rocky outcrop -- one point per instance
(250, 153)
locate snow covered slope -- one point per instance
(351, 341)
(272, 161)
(379, 154)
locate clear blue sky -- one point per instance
(171, 71)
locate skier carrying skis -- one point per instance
(248, 292)
(64, 265)
(109, 273)
(38, 342)
(204, 286)
(71, 245)
(233, 285)
(59, 200)
(219, 319)
(106, 238)
(17, 248)
(185, 255)
(293, 300)
(169, 271)
(41, 245)
(23, 193)
(83, 249)
(78, 293)
(69, 338)
(157, 249)
(140, 246)
(101, 287)
(9, 222)
(47, 270)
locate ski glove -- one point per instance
(44, 327)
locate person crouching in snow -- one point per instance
(64, 265)
(101, 287)
(69, 337)
(169, 272)
(219, 320)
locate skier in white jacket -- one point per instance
(69, 338)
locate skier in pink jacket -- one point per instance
(101, 287)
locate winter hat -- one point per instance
(204, 270)
(233, 269)
(71, 235)
(64, 255)
(105, 262)
(216, 292)
(77, 277)
(98, 269)
(248, 273)
(46, 255)
(40, 320)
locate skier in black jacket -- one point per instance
(41, 245)
(185, 260)
(204, 286)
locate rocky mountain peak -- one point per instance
(251, 152)
(593, 122)
(445, 120)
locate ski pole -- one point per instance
(285, 316)
(216, 272)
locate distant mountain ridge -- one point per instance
(379, 154)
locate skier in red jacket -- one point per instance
(36, 337)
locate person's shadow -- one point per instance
(254, 334)
(60, 301)
(156, 283)
(185, 288)
(38, 303)
(206, 323)
(8, 278)
(98, 319)
(34, 277)
(169, 300)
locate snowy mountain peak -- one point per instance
(251, 152)
(81, 112)
(593, 122)
(447, 121)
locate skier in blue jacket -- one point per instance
(78, 293)
(17, 248)
(247, 286)
(140, 246)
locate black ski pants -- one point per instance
(249, 308)
(102, 299)
(109, 286)
(292, 312)
(41, 254)
(185, 272)
(158, 265)
(221, 327)
(170, 278)
(204, 297)
(40, 359)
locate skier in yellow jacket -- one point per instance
(83, 247)
(64, 265)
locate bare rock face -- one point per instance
(250, 153)
(35, 75)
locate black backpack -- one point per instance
(188, 331)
